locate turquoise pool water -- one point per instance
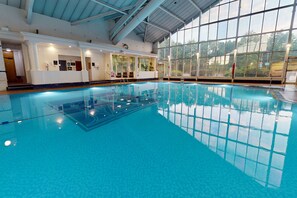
(148, 140)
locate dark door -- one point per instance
(78, 65)
(10, 67)
(62, 65)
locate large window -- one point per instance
(259, 30)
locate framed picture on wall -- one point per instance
(55, 62)
(93, 64)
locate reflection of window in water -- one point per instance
(247, 133)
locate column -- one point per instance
(33, 56)
(84, 72)
(3, 78)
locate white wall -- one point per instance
(97, 31)
(3, 79)
(98, 71)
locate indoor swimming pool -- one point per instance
(148, 140)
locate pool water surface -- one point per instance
(148, 140)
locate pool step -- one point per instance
(20, 87)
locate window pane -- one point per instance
(242, 44)
(180, 37)
(254, 43)
(187, 67)
(188, 36)
(264, 65)
(214, 14)
(222, 30)
(196, 22)
(195, 35)
(180, 53)
(188, 53)
(203, 49)
(271, 4)
(173, 39)
(243, 26)
(251, 65)
(267, 42)
(232, 28)
(224, 11)
(212, 31)
(203, 33)
(294, 40)
(205, 17)
(240, 65)
(256, 23)
(284, 18)
(245, 7)
(280, 41)
(233, 9)
(277, 63)
(230, 46)
(269, 21)
(286, 2)
(258, 5)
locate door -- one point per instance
(62, 65)
(78, 65)
(10, 67)
(291, 72)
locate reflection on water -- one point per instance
(245, 127)
(248, 130)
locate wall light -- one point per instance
(8, 49)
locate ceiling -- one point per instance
(82, 11)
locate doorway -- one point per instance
(291, 71)
(14, 65)
(89, 67)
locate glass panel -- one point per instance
(230, 46)
(269, 21)
(244, 26)
(194, 66)
(221, 48)
(203, 49)
(286, 2)
(280, 41)
(174, 52)
(271, 4)
(251, 65)
(180, 53)
(174, 39)
(132, 64)
(203, 33)
(242, 44)
(233, 9)
(203, 67)
(205, 17)
(284, 18)
(214, 14)
(258, 5)
(188, 53)
(240, 65)
(212, 49)
(256, 23)
(294, 40)
(180, 37)
(196, 22)
(267, 42)
(264, 65)
(222, 30)
(232, 28)
(254, 43)
(195, 34)
(145, 64)
(187, 67)
(245, 7)
(277, 63)
(188, 36)
(212, 31)
(179, 67)
(224, 11)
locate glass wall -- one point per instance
(259, 30)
